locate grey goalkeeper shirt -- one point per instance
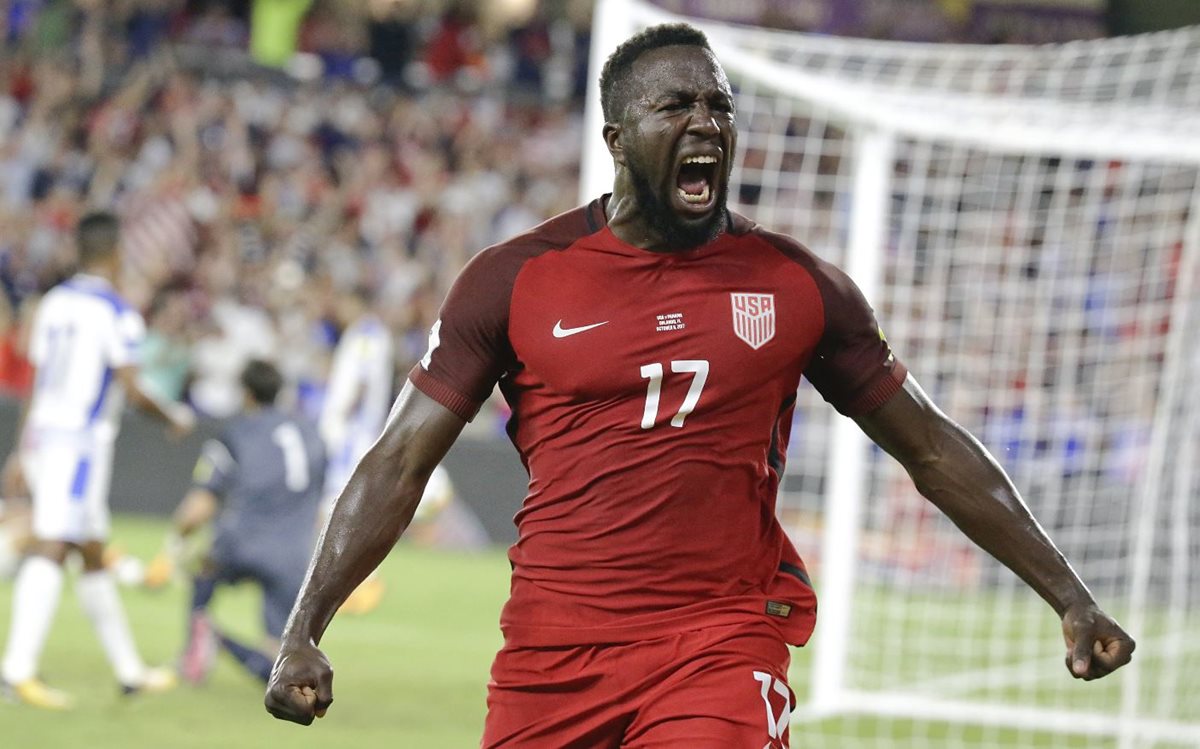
(267, 468)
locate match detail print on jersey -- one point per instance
(561, 332)
(753, 318)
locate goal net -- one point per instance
(1026, 223)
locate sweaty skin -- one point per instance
(367, 519)
(682, 106)
(953, 471)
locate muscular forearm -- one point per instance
(367, 520)
(368, 517)
(965, 482)
(957, 474)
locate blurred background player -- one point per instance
(360, 387)
(356, 405)
(261, 481)
(84, 348)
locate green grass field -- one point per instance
(411, 674)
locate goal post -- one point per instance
(1026, 223)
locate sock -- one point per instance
(34, 602)
(254, 661)
(203, 587)
(98, 595)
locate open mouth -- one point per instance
(695, 182)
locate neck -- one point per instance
(627, 221)
(107, 271)
(633, 224)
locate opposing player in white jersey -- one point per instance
(357, 398)
(84, 347)
(359, 392)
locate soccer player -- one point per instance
(261, 481)
(84, 348)
(359, 392)
(650, 345)
(356, 403)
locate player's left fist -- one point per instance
(1096, 644)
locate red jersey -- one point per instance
(652, 397)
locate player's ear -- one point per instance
(612, 139)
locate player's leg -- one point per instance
(16, 535)
(280, 583)
(569, 697)
(36, 594)
(255, 660)
(101, 602)
(200, 644)
(96, 588)
(39, 581)
(726, 687)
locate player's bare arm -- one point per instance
(956, 473)
(367, 519)
(179, 417)
(198, 508)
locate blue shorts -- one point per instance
(280, 584)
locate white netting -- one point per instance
(1037, 266)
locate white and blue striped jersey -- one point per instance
(82, 333)
(358, 396)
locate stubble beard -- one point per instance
(666, 223)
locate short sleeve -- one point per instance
(215, 468)
(468, 345)
(128, 333)
(853, 367)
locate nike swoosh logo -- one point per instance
(561, 332)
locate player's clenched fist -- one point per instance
(301, 684)
(1096, 644)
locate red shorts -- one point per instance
(718, 688)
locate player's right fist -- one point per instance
(301, 684)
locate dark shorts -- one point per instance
(707, 689)
(280, 582)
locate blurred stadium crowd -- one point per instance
(253, 197)
(270, 158)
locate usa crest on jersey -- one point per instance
(753, 318)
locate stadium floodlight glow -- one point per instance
(1026, 223)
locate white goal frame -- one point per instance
(874, 117)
